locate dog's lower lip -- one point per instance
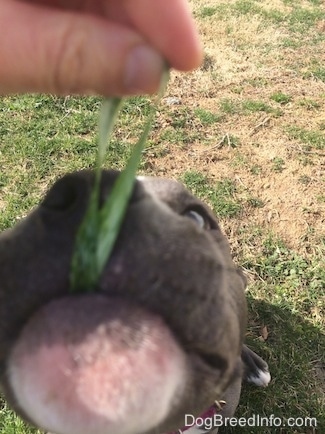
(96, 365)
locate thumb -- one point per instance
(53, 51)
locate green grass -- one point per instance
(256, 106)
(278, 164)
(312, 139)
(302, 19)
(220, 195)
(289, 298)
(281, 98)
(207, 11)
(318, 72)
(310, 104)
(292, 386)
(10, 423)
(230, 106)
(298, 20)
(291, 279)
(207, 117)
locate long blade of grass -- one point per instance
(111, 215)
(84, 269)
(84, 272)
(107, 118)
(113, 211)
(99, 230)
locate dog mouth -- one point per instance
(96, 364)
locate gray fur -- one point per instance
(162, 261)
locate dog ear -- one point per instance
(256, 370)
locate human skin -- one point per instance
(107, 47)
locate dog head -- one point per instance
(160, 337)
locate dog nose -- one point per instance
(74, 190)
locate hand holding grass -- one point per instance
(108, 47)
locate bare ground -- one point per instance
(248, 60)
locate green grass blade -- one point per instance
(100, 228)
(84, 272)
(107, 118)
(112, 213)
(84, 269)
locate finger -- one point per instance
(169, 26)
(47, 50)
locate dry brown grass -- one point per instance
(247, 59)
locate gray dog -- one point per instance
(160, 339)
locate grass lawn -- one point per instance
(246, 132)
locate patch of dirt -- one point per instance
(247, 60)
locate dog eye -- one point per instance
(198, 218)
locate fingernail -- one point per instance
(144, 67)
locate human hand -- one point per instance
(108, 47)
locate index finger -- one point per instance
(170, 28)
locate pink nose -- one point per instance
(94, 365)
